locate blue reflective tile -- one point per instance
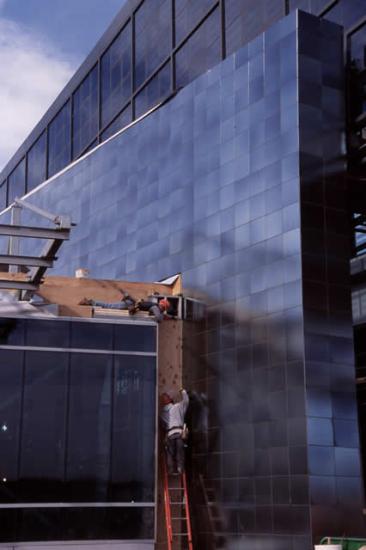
(347, 462)
(321, 460)
(346, 433)
(320, 431)
(323, 490)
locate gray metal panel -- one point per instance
(24, 260)
(34, 232)
(17, 285)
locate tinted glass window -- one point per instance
(59, 144)
(91, 146)
(12, 332)
(135, 338)
(357, 49)
(17, 182)
(42, 524)
(154, 91)
(116, 75)
(300, 5)
(201, 51)
(47, 334)
(134, 414)
(153, 37)
(246, 19)
(11, 369)
(43, 426)
(122, 120)
(88, 456)
(346, 12)
(3, 193)
(187, 14)
(36, 165)
(313, 6)
(85, 113)
(92, 336)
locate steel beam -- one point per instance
(8, 284)
(31, 261)
(34, 232)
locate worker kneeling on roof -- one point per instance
(172, 419)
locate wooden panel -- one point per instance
(170, 355)
(68, 291)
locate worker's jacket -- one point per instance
(172, 416)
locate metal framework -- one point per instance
(37, 265)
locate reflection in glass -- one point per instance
(49, 524)
(59, 140)
(47, 334)
(91, 335)
(122, 120)
(153, 37)
(243, 22)
(116, 75)
(85, 113)
(43, 428)
(36, 163)
(12, 332)
(135, 338)
(133, 421)
(16, 182)
(3, 195)
(11, 368)
(154, 91)
(187, 14)
(201, 51)
(88, 453)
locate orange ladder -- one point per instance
(176, 503)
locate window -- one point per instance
(154, 91)
(346, 12)
(85, 113)
(153, 37)
(16, 182)
(88, 456)
(116, 75)
(313, 6)
(246, 19)
(187, 14)
(36, 165)
(357, 83)
(59, 145)
(122, 120)
(357, 48)
(11, 368)
(201, 51)
(41, 470)
(3, 193)
(134, 411)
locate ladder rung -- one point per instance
(180, 534)
(179, 517)
(175, 488)
(177, 502)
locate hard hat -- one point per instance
(165, 399)
(164, 303)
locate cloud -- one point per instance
(32, 74)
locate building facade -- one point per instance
(248, 181)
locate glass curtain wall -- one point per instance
(77, 427)
(187, 36)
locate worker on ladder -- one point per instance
(172, 419)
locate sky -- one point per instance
(42, 43)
